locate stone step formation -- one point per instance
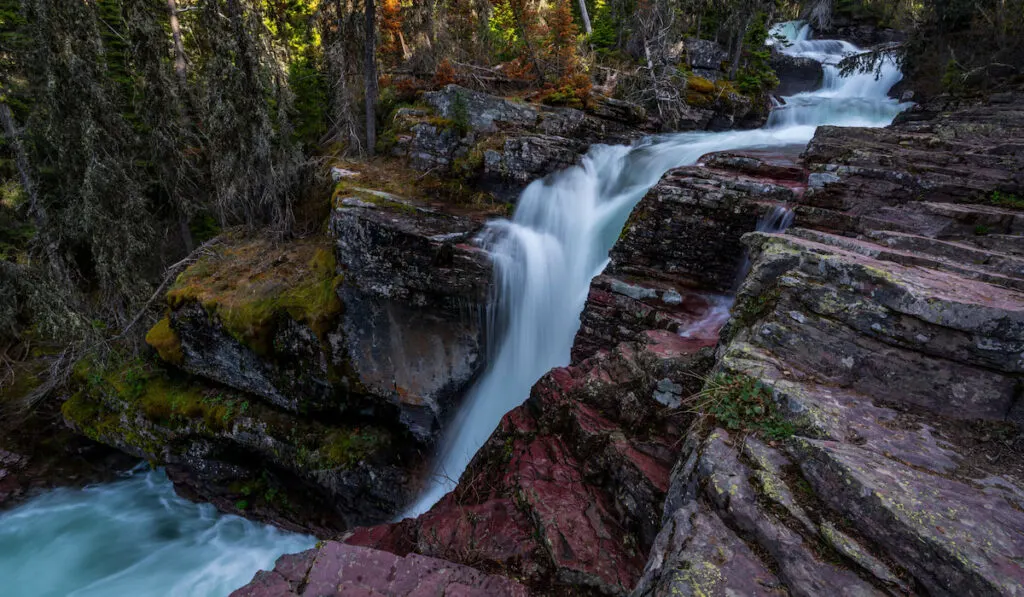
(853, 429)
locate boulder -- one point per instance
(705, 58)
(322, 369)
(796, 74)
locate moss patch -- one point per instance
(750, 310)
(165, 340)
(249, 284)
(700, 84)
(346, 447)
(1006, 200)
(108, 402)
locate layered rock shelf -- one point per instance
(854, 428)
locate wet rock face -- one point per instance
(567, 491)
(339, 569)
(398, 327)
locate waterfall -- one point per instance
(565, 225)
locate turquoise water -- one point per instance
(135, 538)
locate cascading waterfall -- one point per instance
(565, 225)
(132, 537)
(135, 537)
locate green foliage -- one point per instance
(307, 82)
(953, 77)
(1007, 200)
(756, 78)
(743, 404)
(609, 26)
(460, 114)
(503, 31)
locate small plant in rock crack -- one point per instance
(740, 403)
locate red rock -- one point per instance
(336, 569)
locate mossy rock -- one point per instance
(165, 341)
(248, 284)
(700, 84)
(109, 400)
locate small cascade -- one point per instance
(860, 99)
(777, 220)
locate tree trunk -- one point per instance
(181, 70)
(371, 76)
(179, 47)
(738, 52)
(586, 17)
(35, 207)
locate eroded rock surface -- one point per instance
(889, 332)
(339, 569)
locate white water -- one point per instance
(778, 219)
(564, 226)
(134, 538)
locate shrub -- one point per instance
(741, 403)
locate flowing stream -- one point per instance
(136, 537)
(565, 225)
(133, 537)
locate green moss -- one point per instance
(165, 340)
(751, 309)
(114, 404)
(700, 85)
(346, 447)
(250, 284)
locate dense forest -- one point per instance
(134, 132)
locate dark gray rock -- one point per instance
(415, 292)
(705, 57)
(796, 74)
